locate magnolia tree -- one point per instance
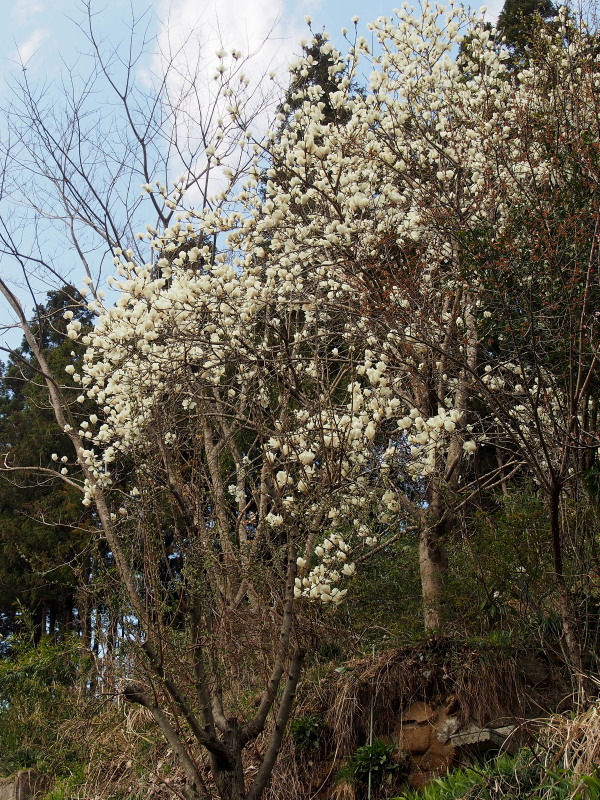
(177, 564)
(379, 202)
(234, 393)
(309, 368)
(453, 209)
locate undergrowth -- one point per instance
(522, 777)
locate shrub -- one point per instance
(306, 732)
(38, 692)
(375, 759)
(521, 777)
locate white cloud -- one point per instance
(188, 40)
(25, 11)
(311, 6)
(255, 27)
(30, 46)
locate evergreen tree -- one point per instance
(518, 22)
(325, 73)
(44, 546)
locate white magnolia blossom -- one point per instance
(279, 328)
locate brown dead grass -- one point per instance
(128, 758)
(574, 742)
(486, 686)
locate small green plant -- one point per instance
(376, 759)
(306, 732)
(592, 785)
(65, 787)
(521, 777)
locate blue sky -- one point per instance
(43, 33)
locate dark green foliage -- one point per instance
(519, 20)
(522, 777)
(376, 760)
(324, 72)
(499, 570)
(44, 529)
(591, 481)
(306, 732)
(385, 598)
(518, 26)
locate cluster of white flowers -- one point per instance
(283, 330)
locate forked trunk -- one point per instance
(230, 783)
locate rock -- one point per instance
(419, 780)
(415, 739)
(438, 758)
(25, 785)
(419, 712)
(446, 729)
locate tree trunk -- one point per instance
(565, 604)
(432, 567)
(52, 621)
(39, 621)
(230, 783)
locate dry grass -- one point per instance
(574, 742)
(343, 790)
(486, 687)
(129, 759)
(125, 756)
